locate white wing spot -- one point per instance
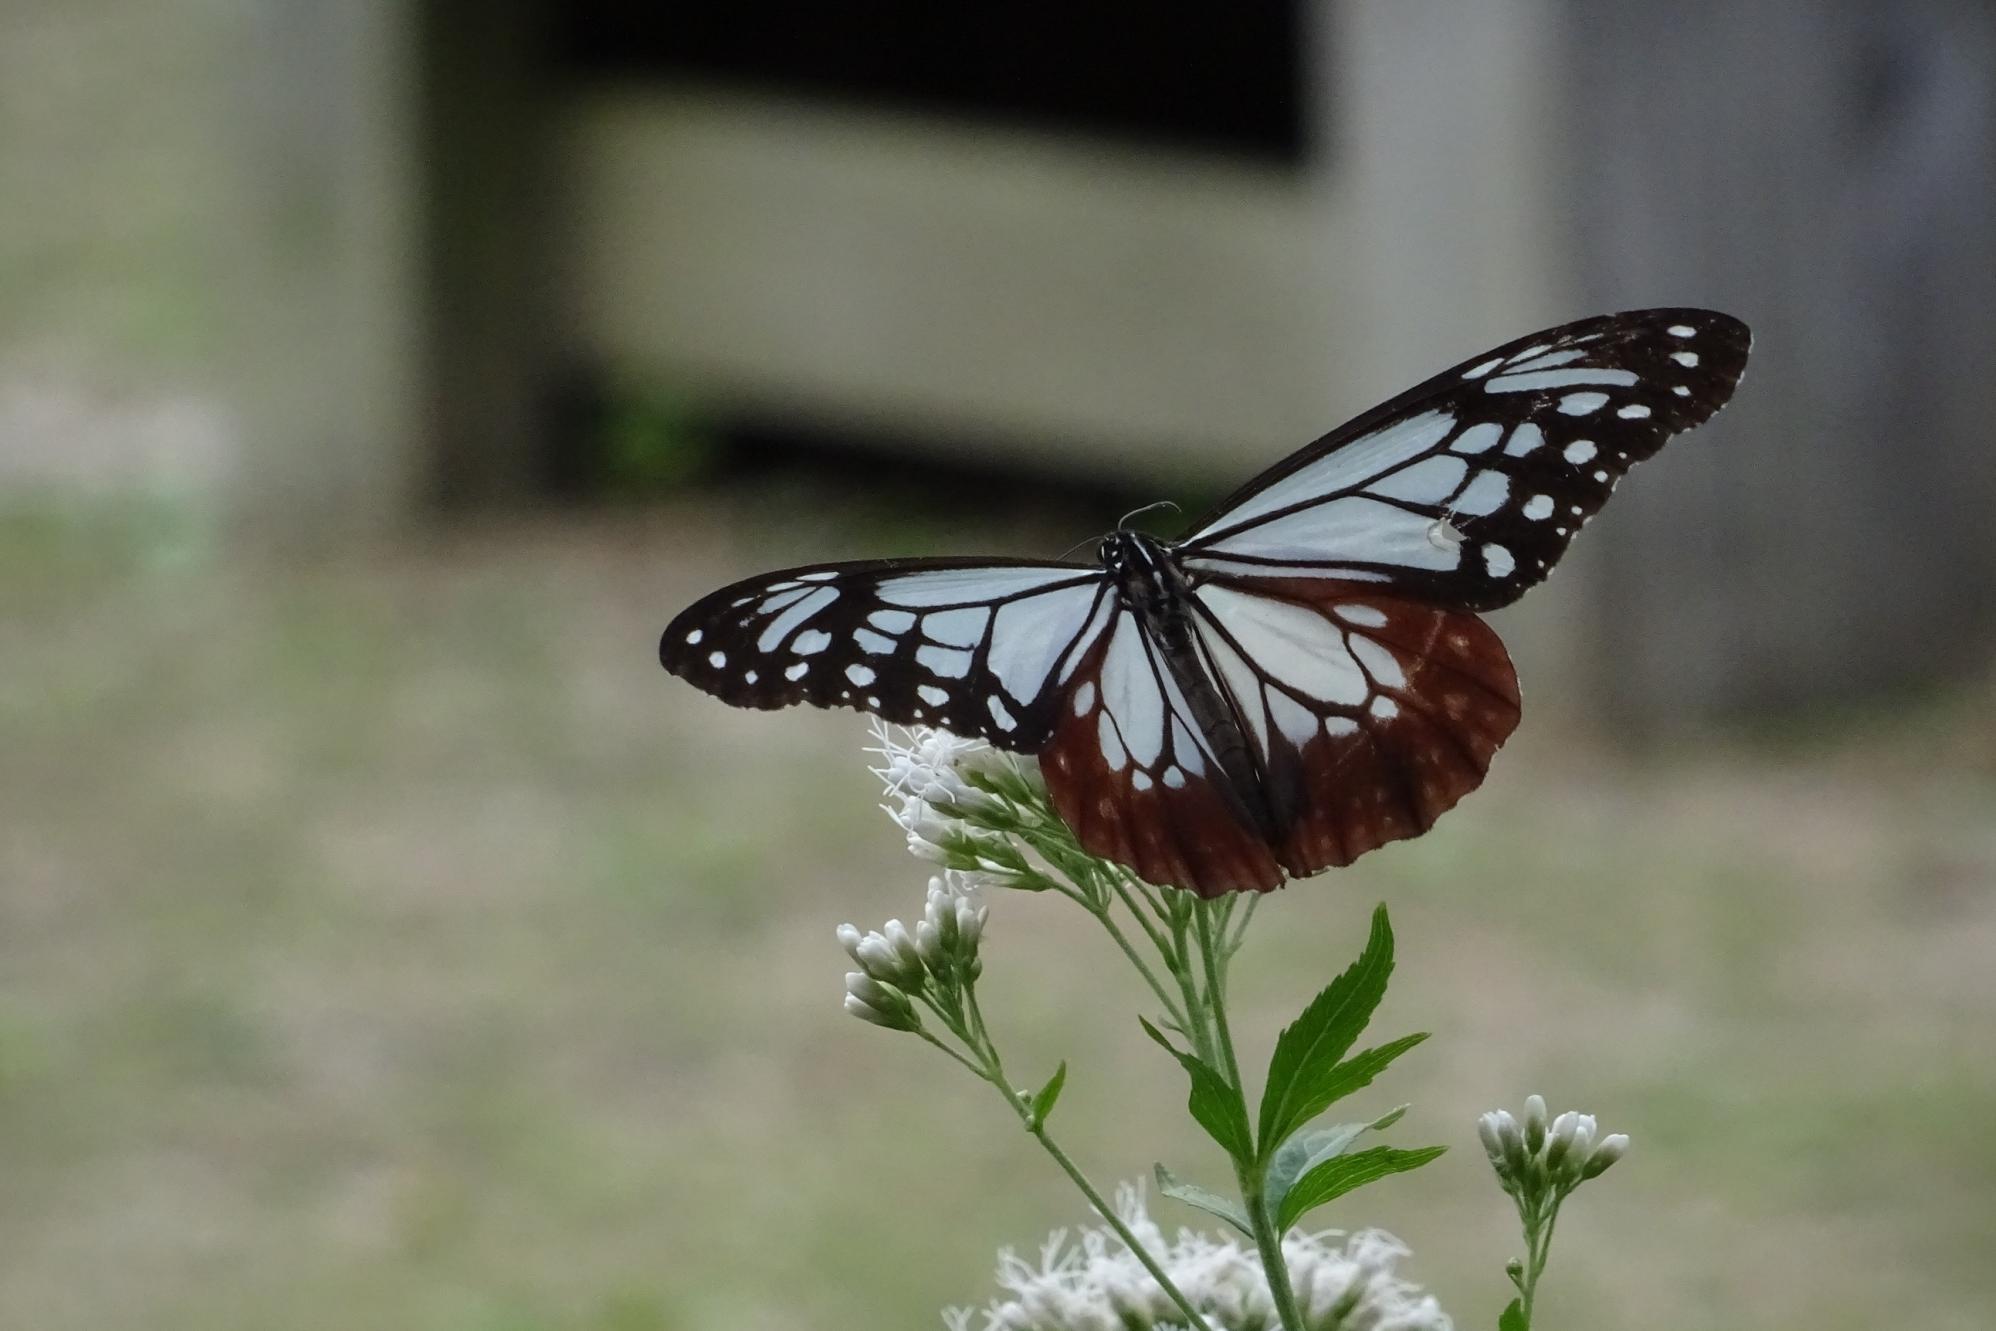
(1579, 451)
(931, 695)
(1498, 561)
(891, 621)
(1680, 330)
(1174, 777)
(956, 628)
(1385, 708)
(1579, 404)
(693, 638)
(1635, 411)
(1560, 530)
(1680, 390)
(1578, 510)
(996, 706)
(859, 674)
(1336, 726)
(872, 701)
(1484, 368)
(1538, 507)
(797, 671)
(1140, 780)
(1084, 697)
(873, 644)
(946, 661)
(1688, 359)
(810, 642)
(816, 577)
(749, 678)
(1370, 616)
(1600, 475)
(1479, 438)
(717, 659)
(1524, 439)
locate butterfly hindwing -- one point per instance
(1133, 774)
(1465, 490)
(1370, 715)
(976, 647)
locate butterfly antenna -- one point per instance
(1162, 503)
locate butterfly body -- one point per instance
(1303, 677)
(1156, 590)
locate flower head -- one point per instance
(957, 800)
(1091, 1282)
(1542, 1158)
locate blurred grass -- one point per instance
(386, 941)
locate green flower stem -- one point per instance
(1143, 968)
(1538, 1251)
(994, 1072)
(1248, 1172)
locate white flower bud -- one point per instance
(1612, 1148)
(886, 1002)
(970, 919)
(1560, 1141)
(1513, 1142)
(929, 945)
(910, 972)
(923, 849)
(1535, 1123)
(849, 937)
(867, 1014)
(1493, 1141)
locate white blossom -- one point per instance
(1091, 1282)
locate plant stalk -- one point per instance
(1248, 1172)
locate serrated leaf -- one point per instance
(1310, 1148)
(1327, 1086)
(1336, 1177)
(1212, 1203)
(1312, 1044)
(1213, 1103)
(1513, 1318)
(1043, 1100)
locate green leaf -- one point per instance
(1215, 1105)
(1210, 1202)
(1315, 1041)
(1513, 1318)
(1332, 1084)
(1336, 1177)
(1310, 1148)
(1043, 1101)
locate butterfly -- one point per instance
(1301, 679)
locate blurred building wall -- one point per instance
(377, 234)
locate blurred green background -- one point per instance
(386, 941)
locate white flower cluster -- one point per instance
(1538, 1156)
(896, 961)
(924, 777)
(1094, 1283)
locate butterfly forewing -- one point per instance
(1467, 489)
(976, 647)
